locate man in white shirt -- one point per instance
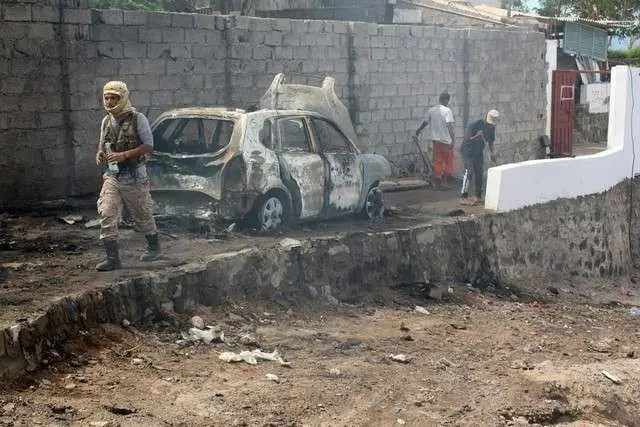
(440, 121)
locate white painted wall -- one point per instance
(552, 63)
(517, 185)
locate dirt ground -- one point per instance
(42, 258)
(566, 357)
(472, 360)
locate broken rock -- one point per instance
(400, 358)
(197, 322)
(274, 378)
(252, 357)
(120, 409)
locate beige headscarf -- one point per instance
(124, 104)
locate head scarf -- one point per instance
(493, 116)
(124, 105)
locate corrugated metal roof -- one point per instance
(603, 23)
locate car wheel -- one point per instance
(374, 204)
(270, 213)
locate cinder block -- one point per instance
(134, 17)
(77, 16)
(50, 120)
(158, 50)
(283, 53)
(182, 20)
(41, 13)
(204, 21)
(273, 39)
(16, 11)
(148, 82)
(130, 66)
(158, 19)
(202, 51)
(281, 24)
(162, 99)
(150, 35)
(107, 16)
(180, 50)
(41, 30)
(110, 49)
(154, 66)
(135, 50)
(173, 35)
(291, 39)
(195, 36)
(261, 53)
(13, 85)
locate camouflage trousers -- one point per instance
(135, 196)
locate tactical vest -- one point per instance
(125, 140)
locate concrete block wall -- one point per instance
(54, 63)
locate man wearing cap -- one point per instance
(480, 134)
(440, 122)
(125, 141)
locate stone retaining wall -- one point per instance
(589, 238)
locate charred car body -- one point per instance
(294, 159)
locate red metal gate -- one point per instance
(563, 112)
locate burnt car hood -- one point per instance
(322, 100)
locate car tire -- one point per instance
(373, 204)
(270, 213)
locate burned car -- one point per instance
(293, 159)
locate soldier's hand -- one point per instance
(99, 157)
(115, 157)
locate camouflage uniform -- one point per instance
(125, 131)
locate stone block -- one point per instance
(42, 13)
(110, 49)
(134, 17)
(16, 11)
(41, 30)
(158, 19)
(273, 39)
(173, 35)
(202, 51)
(150, 35)
(204, 21)
(107, 16)
(130, 66)
(134, 50)
(281, 24)
(77, 16)
(182, 20)
(262, 53)
(291, 39)
(163, 98)
(195, 36)
(50, 120)
(147, 82)
(154, 66)
(158, 50)
(180, 50)
(283, 53)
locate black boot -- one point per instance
(153, 248)
(113, 257)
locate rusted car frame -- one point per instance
(278, 165)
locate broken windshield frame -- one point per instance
(193, 136)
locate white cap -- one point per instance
(493, 116)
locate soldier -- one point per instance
(125, 141)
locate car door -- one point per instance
(343, 166)
(302, 169)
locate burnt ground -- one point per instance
(474, 359)
(42, 258)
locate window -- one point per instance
(293, 135)
(265, 134)
(329, 138)
(192, 135)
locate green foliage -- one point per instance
(591, 9)
(519, 5)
